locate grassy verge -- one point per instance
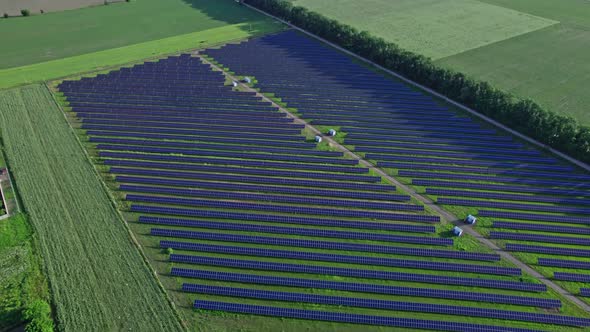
(22, 284)
(97, 276)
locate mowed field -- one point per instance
(533, 48)
(98, 278)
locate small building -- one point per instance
(247, 80)
(318, 139)
(470, 220)
(234, 83)
(457, 231)
(332, 132)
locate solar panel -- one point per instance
(564, 263)
(577, 277)
(585, 292)
(290, 209)
(310, 200)
(513, 206)
(547, 250)
(500, 187)
(357, 287)
(348, 318)
(539, 238)
(325, 233)
(508, 197)
(533, 216)
(383, 304)
(411, 264)
(356, 273)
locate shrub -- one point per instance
(5, 15)
(25, 12)
(38, 316)
(558, 131)
(42, 12)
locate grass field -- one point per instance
(533, 48)
(97, 276)
(436, 29)
(13, 7)
(65, 34)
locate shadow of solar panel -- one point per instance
(384, 304)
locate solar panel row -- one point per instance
(542, 227)
(357, 273)
(564, 263)
(547, 250)
(384, 304)
(539, 238)
(571, 276)
(349, 318)
(357, 287)
(514, 206)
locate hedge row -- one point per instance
(561, 132)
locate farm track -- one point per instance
(427, 202)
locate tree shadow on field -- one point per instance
(231, 12)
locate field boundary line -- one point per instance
(112, 201)
(16, 198)
(426, 201)
(432, 92)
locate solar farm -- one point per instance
(276, 183)
(250, 216)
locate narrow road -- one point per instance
(426, 201)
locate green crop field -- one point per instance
(60, 51)
(97, 276)
(533, 48)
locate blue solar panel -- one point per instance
(383, 304)
(259, 197)
(289, 209)
(356, 273)
(535, 217)
(577, 277)
(349, 318)
(547, 250)
(500, 187)
(359, 287)
(564, 263)
(236, 162)
(507, 197)
(542, 227)
(330, 234)
(499, 179)
(513, 206)
(242, 170)
(585, 292)
(253, 179)
(539, 238)
(412, 264)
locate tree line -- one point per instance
(526, 116)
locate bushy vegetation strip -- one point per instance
(560, 132)
(98, 279)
